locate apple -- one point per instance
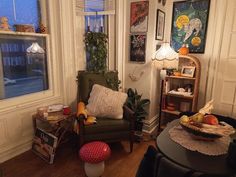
(210, 119)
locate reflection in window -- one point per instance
(22, 72)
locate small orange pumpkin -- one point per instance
(184, 50)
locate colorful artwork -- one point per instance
(139, 16)
(138, 47)
(189, 25)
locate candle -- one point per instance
(88, 22)
(102, 21)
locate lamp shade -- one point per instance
(35, 48)
(165, 52)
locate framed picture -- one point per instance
(139, 16)
(189, 25)
(138, 47)
(160, 24)
(188, 71)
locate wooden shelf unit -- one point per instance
(176, 82)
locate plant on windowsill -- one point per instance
(138, 105)
(96, 48)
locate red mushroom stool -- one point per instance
(94, 154)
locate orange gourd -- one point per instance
(184, 50)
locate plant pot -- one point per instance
(138, 126)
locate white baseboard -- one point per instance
(9, 154)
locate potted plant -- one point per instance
(96, 48)
(138, 105)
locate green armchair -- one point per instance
(108, 130)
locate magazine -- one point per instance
(44, 145)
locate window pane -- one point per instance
(20, 12)
(96, 23)
(21, 72)
(94, 5)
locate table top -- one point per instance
(54, 118)
(191, 159)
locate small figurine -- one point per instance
(4, 26)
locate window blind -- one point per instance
(93, 7)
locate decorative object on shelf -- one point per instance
(138, 47)
(188, 71)
(4, 25)
(139, 17)
(135, 77)
(96, 47)
(164, 53)
(184, 50)
(189, 25)
(35, 48)
(43, 16)
(171, 107)
(24, 28)
(160, 25)
(42, 29)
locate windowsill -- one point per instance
(23, 33)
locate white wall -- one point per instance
(149, 83)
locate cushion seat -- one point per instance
(107, 125)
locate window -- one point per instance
(100, 17)
(22, 72)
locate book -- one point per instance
(44, 145)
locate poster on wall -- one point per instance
(189, 25)
(138, 47)
(139, 17)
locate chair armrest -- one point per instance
(129, 115)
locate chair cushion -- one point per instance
(104, 102)
(107, 125)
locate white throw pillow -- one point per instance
(104, 102)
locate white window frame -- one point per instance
(54, 82)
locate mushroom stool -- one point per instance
(94, 154)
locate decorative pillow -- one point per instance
(104, 102)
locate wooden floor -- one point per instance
(67, 164)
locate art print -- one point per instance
(189, 25)
(139, 16)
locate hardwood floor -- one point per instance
(67, 163)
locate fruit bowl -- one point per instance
(204, 131)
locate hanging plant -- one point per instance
(96, 48)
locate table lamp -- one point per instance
(165, 52)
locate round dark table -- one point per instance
(212, 165)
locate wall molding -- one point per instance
(15, 150)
